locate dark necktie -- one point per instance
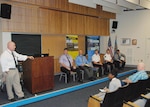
(68, 61)
(14, 59)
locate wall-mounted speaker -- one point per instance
(114, 24)
(5, 11)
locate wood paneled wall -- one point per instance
(43, 21)
(60, 18)
(69, 7)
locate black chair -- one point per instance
(143, 85)
(147, 103)
(130, 92)
(109, 99)
(119, 100)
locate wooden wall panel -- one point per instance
(75, 24)
(53, 22)
(61, 4)
(54, 44)
(92, 11)
(105, 27)
(91, 25)
(44, 21)
(77, 8)
(23, 19)
(99, 26)
(81, 42)
(66, 6)
(64, 22)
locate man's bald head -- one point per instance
(11, 45)
(141, 66)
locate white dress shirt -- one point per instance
(96, 58)
(107, 57)
(114, 84)
(7, 60)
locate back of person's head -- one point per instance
(65, 49)
(114, 72)
(117, 50)
(108, 51)
(96, 51)
(141, 66)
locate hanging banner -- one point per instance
(92, 43)
(72, 45)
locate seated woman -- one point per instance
(114, 84)
(108, 61)
(97, 62)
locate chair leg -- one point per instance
(65, 78)
(60, 77)
(109, 68)
(82, 75)
(74, 77)
(102, 71)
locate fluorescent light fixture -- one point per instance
(108, 9)
(126, 4)
(107, 4)
(111, 1)
(134, 1)
(145, 4)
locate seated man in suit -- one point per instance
(108, 61)
(83, 64)
(119, 58)
(96, 60)
(66, 65)
(139, 75)
(114, 84)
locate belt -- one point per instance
(12, 68)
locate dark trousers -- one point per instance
(87, 70)
(117, 64)
(106, 66)
(100, 68)
(79, 74)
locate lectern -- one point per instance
(38, 74)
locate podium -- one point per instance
(38, 74)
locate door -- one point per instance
(147, 54)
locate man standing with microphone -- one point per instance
(9, 61)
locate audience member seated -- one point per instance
(114, 84)
(119, 58)
(83, 64)
(139, 75)
(96, 61)
(66, 65)
(108, 61)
